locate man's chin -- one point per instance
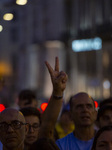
(30, 142)
(11, 145)
(86, 124)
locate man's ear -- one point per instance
(26, 128)
(97, 123)
(96, 113)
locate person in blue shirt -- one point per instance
(84, 114)
(1, 146)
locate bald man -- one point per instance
(12, 129)
(84, 115)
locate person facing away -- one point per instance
(64, 125)
(33, 119)
(84, 115)
(13, 129)
(103, 139)
(104, 117)
(27, 98)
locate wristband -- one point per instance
(57, 97)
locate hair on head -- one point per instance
(26, 94)
(98, 133)
(31, 111)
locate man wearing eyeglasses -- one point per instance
(33, 119)
(13, 129)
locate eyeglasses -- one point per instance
(14, 124)
(35, 126)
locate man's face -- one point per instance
(106, 118)
(83, 111)
(13, 135)
(104, 142)
(32, 134)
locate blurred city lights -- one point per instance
(87, 44)
(43, 106)
(8, 16)
(106, 84)
(1, 28)
(96, 104)
(5, 68)
(21, 2)
(2, 107)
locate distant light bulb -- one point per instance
(1, 28)
(106, 84)
(8, 16)
(21, 2)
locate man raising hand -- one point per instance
(50, 115)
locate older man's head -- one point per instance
(12, 129)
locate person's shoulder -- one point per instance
(67, 142)
(69, 136)
(1, 146)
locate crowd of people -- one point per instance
(82, 127)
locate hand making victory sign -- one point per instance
(58, 78)
(50, 115)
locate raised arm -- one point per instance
(50, 115)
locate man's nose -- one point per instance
(10, 128)
(31, 129)
(85, 108)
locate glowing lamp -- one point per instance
(43, 106)
(2, 107)
(96, 104)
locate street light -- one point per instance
(8, 16)
(1, 28)
(21, 2)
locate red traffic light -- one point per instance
(43, 106)
(2, 107)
